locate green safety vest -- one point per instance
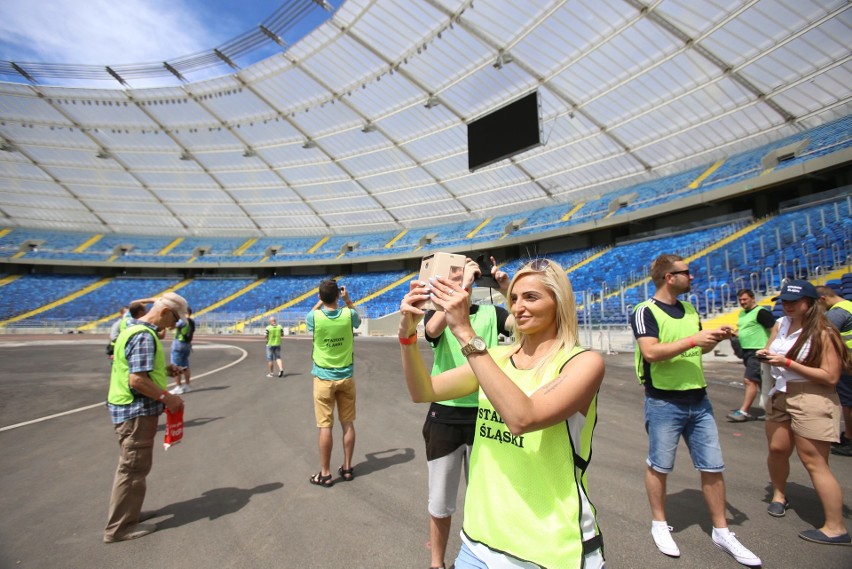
(334, 340)
(524, 494)
(119, 382)
(845, 334)
(180, 333)
(685, 370)
(752, 334)
(273, 335)
(448, 350)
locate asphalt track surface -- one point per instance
(235, 492)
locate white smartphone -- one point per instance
(447, 265)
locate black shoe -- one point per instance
(816, 536)
(778, 509)
(842, 450)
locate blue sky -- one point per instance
(115, 32)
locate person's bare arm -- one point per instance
(654, 351)
(826, 373)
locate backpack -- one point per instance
(191, 332)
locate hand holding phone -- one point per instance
(448, 265)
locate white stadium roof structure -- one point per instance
(361, 124)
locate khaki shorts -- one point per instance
(327, 393)
(812, 409)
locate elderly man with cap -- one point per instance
(137, 396)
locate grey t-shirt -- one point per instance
(841, 319)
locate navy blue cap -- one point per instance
(795, 290)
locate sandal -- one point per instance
(320, 480)
(346, 473)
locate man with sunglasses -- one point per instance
(137, 397)
(670, 344)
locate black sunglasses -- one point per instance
(683, 272)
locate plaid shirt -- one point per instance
(139, 350)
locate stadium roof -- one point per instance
(360, 126)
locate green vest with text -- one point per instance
(685, 370)
(845, 305)
(333, 339)
(273, 335)
(119, 383)
(448, 350)
(752, 334)
(523, 497)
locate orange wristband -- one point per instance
(408, 341)
(788, 363)
(691, 343)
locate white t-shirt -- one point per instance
(781, 345)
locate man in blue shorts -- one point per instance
(181, 349)
(670, 343)
(273, 346)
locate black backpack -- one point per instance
(191, 332)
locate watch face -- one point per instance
(479, 344)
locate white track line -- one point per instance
(102, 404)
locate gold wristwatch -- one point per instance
(476, 346)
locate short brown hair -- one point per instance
(826, 291)
(328, 291)
(661, 266)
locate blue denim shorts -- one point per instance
(273, 353)
(667, 421)
(180, 354)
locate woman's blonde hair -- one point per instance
(555, 280)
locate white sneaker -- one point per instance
(663, 540)
(176, 390)
(186, 389)
(269, 375)
(729, 543)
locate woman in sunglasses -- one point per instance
(526, 503)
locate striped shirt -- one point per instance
(139, 350)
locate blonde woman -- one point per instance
(807, 356)
(526, 503)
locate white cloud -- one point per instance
(101, 32)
